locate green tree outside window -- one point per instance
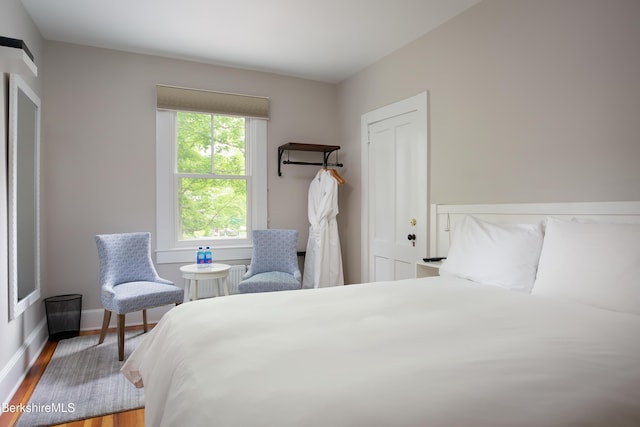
(211, 176)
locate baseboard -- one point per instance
(16, 369)
(92, 319)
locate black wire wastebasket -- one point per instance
(63, 316)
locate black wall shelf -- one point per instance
(326, 151)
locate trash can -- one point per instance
(63, 316)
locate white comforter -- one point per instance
(421, 352)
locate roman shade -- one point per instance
(204, 101)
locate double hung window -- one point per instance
(211, 183)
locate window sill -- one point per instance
(183, 255)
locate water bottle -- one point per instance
(200, 258)
(208, 257)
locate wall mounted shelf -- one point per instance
(16, 58)
(326, 151)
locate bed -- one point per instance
(537, 334)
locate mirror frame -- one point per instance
(18, 306)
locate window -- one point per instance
(211, 184)
(211, 180)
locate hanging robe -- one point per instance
(323, 260)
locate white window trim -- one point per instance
(168, 250)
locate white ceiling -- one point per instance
(326, 40)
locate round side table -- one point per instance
(192, 273)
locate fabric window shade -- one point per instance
(203, 101)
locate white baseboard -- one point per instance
(92, 319)
(16, 369)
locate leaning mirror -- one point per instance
(24, 176)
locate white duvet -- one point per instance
(430, 352)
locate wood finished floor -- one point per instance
(23, 394)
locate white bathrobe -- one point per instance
(323, 260)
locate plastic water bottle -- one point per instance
(208, 257)
(200, 258)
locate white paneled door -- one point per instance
(395, 203)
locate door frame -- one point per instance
(418, 103)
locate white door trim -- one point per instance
(415, 103)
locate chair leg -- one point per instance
(121, 337)
(144, 320)
(105, 325)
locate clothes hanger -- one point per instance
(334, 173)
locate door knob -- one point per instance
(411, 237)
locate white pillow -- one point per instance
(504, 255)
(594, 263)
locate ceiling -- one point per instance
(325, 40)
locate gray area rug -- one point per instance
(83, 380)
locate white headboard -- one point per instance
(444, 217)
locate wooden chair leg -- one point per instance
(144, 320)
(121, 337)
(105, 325)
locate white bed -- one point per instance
(441, 351)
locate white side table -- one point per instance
(192, 274)
(428, 269)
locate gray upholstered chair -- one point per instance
(274, 263)
(129, 281)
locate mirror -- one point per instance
(24, 188)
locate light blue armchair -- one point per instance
(274, 263)
(129, 281)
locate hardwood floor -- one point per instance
(121, 419)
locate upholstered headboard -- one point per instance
(444, 217)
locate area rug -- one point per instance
(83, 380)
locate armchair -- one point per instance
(129, 281)
(274, 262)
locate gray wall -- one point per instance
(22, 337)
(530, 101)
(100, 150)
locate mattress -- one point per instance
(438, 352)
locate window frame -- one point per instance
(169, 248)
